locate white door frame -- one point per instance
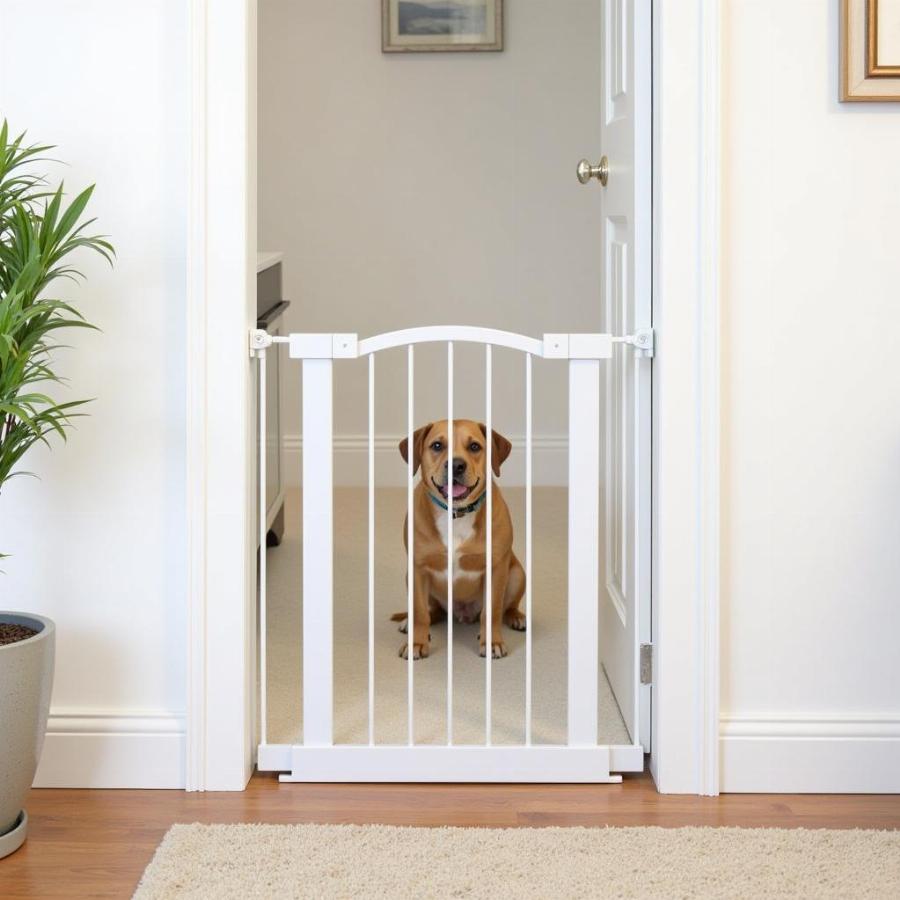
(221, 301)
(686, 479)
(221, 436)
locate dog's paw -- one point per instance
(420, 651)
(402, 627)
(498, 650)
(514, 619)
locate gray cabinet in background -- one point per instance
(270, 307)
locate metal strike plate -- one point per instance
(646, 664)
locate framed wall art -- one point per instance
(870, 50)
(428, 26)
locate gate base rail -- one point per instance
(459, 763)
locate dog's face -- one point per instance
(466, 480)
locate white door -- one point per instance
(625, 207)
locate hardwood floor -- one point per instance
(96, 843)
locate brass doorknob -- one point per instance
(585, 171)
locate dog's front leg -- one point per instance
(421, 638)
(499, 577)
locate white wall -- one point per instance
(432, 189)
(811, 396)
(811, 385)
(98, 543)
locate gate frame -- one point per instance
(314, 758)
(221, 615)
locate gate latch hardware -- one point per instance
(646, 663)
(641, 340)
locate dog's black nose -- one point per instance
(459, 466)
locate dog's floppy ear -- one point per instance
(419, 436)
(500, 448)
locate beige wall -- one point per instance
(431, 189)
(811, 388)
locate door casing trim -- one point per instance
(686, 416)
(221, 307)
(686, 407)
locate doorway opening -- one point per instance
(438, 190)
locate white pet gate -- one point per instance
(318, 758)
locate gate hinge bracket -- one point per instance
(646, 663)
(260, 340)
(643, 340)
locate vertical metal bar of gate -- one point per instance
(529, 624)
(263, 625)
(318, 560)
(488, 544)
(584, 541)
(410, 540)
(450, 543)
(371, 549)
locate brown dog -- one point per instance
(466, 490)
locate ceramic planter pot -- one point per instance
(26, 677)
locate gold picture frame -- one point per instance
(441, 26)
(870, 50)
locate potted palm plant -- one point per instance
(39, 231)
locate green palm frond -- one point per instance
(39, 232)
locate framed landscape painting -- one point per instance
(427, 26)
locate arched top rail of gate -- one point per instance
(444, 333)
(349, 346)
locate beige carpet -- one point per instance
(351, 637)
(241, 861)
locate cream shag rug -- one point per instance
(240, 861)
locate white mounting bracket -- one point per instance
(260, 339)
(643, 340)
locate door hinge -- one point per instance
(643, 340)
(646, 663)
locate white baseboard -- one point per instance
(838, 755)
(550, 460)
(113, 749)
(145, 749)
